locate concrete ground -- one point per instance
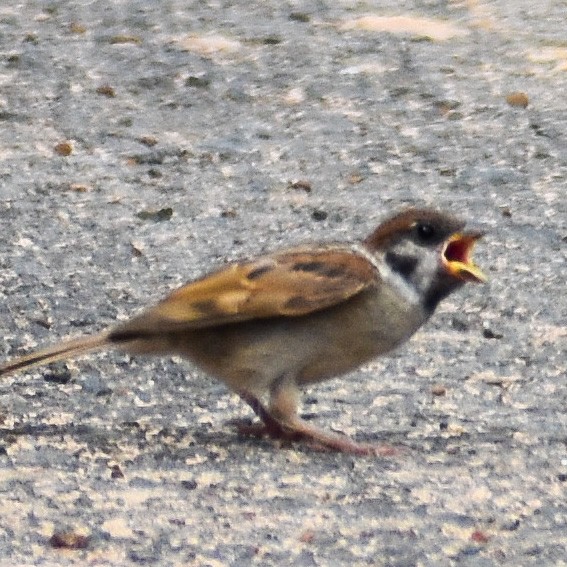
(143, 143)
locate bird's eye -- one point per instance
(425, 231)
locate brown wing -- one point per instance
(286, 284)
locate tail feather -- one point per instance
(65, 349)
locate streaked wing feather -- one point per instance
(288, 284)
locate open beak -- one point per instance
(456, 257)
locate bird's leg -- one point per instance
(283, 410)
(269, 427)
(281, 421)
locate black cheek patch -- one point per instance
(403, 265)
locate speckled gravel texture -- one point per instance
(143, 143)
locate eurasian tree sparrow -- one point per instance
(270, 325)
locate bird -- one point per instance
(270, 325)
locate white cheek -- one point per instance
(406, 289)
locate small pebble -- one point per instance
(518, 99)
(63, 149)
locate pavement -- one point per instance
(144, 143)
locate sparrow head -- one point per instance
(429, 250)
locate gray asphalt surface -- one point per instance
(143, 143)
